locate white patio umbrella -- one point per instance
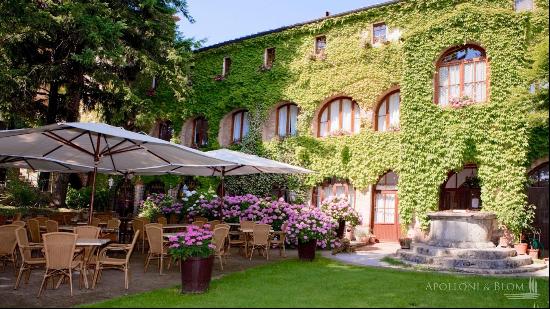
(97, 147)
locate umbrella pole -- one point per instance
(222, 192)
(91, 214)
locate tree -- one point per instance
(56, 56)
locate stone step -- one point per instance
(483, 254)
(455, 262)
(517, 270)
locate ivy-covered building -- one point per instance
(405, 107)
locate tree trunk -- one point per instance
(59, 190)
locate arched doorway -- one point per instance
(537, 194)
(461, 190)
(385, 218)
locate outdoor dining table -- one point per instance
(174, 226)
(95, 243)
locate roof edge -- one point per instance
(280, 29)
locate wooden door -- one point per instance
(386, 216)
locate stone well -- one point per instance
(461, 229)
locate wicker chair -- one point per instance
(8, 242)
(28, 263)
(19, 223)
(138, 225)
(17, 217)
(201, 219)
(41, 220)
(213, 224)
(280, 241)
(162, 220)
(87, 231)
(247, 225)
(260, 239)
(219, 239)
(33, 225)
(199, 223)
(113, 226)
(59, 249)
(52, 226)
(105, 262)
(95, 221)
(157, 248)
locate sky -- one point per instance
(222, 20)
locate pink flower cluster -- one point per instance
(194, 242)
(311, 223)
(461, 102)
(340, 209)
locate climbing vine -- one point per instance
(431, 141)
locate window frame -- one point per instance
(194, 132)
(287, 130)
(316, 49)
(533, 7)
(340, 116)
(385, 34)
(386, 99)
(242, 112)
(267, 63)
(226, 66)
(461, 63)
(318, 194)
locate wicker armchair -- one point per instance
(219, 239)
(213, 224)
(34, 230)
(59, 249)
(260, 239)
(8, 242)
(95, 222)
(28, 263)
(52, 226)
(280, 241)
(138, 225)
(157, 247)
(103, 261)
(162, 220)
(19, 223)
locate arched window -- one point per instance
(200, 132)
(462, 75)
(287, 116)
(240, 126)
(387, 114)
(339, 116)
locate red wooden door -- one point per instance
(386, 216)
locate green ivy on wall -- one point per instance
(431, 141)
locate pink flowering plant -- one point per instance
(458, 102)
(340, 209)
(272, 212)
(311, 223)
(155, 204)
(194, 242)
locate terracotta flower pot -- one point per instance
(306, 251)
(196, 274)
(504, 242)
(534, 254)
(521, 248)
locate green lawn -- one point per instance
(325, 283)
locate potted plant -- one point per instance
(307, 228)
(506, 239)
(521, 222)
(195, 249)
(405, 242)
(340, 210)
(535, 248)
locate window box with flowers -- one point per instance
(459, 102)
(195, 249)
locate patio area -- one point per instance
(112, 282)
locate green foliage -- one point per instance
(20, 193)
(10, 211)
(80, 199)
(432, 140)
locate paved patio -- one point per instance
(112, 283)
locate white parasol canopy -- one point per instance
(95, 147)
